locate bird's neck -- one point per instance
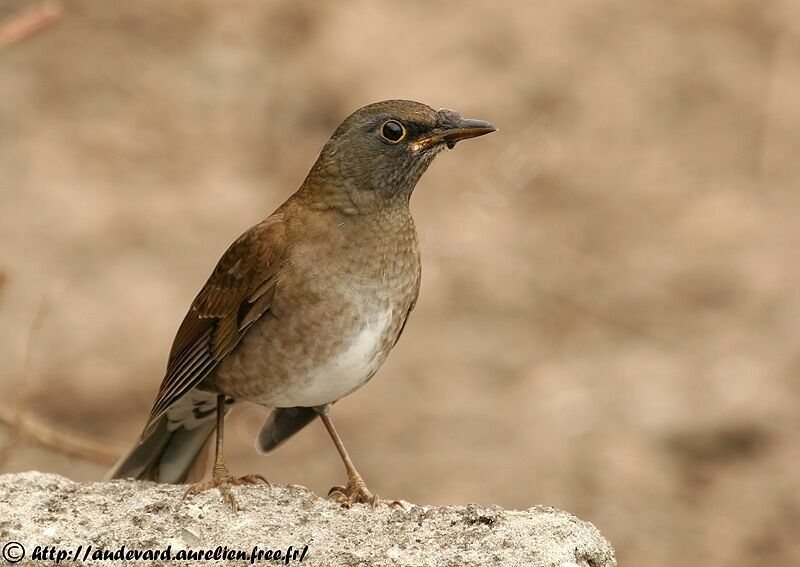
(326, 188)
(372, 249)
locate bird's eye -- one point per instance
(393, 131)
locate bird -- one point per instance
(304, 307)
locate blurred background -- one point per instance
(609, 319)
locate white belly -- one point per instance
(343, 372)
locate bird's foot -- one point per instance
(356, 492)
(222, 480)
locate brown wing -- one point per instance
(410, 309)
(238, 292)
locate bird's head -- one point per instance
(381, 150)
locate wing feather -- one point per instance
(238, 292)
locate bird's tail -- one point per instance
(281, 424)
(172, 449)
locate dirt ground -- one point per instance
(609, 320)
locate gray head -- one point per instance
(384, 148)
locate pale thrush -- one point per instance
(305, 306)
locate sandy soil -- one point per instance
(609, 320)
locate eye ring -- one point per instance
(393, 131)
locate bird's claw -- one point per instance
(356, 492)
(223, 481)
(353, 493)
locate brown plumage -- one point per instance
(238, 292)
(305, 306)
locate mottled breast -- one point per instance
(336, 315)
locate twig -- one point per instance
(8, 447)
(24, 426)
(28, 427)
(3, 284)
(27, 23)
(31, 344)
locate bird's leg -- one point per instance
(221, 479)
(356, 490)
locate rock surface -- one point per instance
(57, 515)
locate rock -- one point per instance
(53, 519)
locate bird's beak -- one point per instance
(466, 128)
